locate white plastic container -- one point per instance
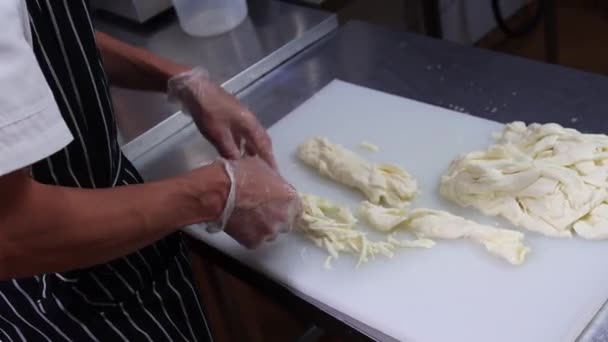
(209, 17)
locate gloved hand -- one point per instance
(220, 117)
(260, 203)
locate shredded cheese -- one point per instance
(331, 227)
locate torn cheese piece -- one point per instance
(437, 224)
(384, 184)
(369, 146)
(381, 218)
(505, 243)
(540, 177)
(331, 227)
(594, 226)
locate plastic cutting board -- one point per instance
(455, 291)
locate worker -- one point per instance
(88, 252)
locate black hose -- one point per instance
(525, 28)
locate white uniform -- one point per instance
(31, 127)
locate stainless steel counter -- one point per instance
(234, 59)
(483, 83)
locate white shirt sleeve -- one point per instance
(31, 126)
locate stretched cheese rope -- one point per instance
(384, 184)
(437, 224)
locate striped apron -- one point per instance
(146, 296)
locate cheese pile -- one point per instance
(545, 178)
(389, 189)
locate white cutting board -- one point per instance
(453, 292)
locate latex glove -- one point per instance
(260, 204)
(220, 117)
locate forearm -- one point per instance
(131, 67)
(54, 229)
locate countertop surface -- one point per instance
(270, 25)
(479, 82)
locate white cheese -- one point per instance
(369, 146)
(540, 177)
(505, 243)
(595, 224)
(437, 224)
(384, 184)
(331, 227)
(381, 218)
